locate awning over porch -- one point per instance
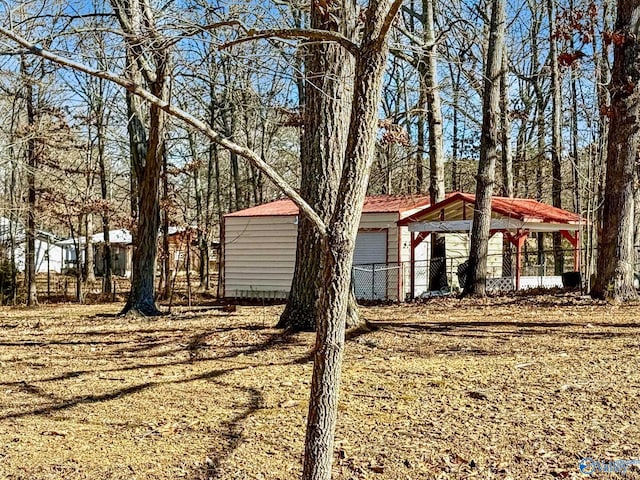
(514, 217)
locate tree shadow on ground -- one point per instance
(484, 327)
(180, 347)
(232, 435)
(187, 347)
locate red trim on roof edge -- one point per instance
(518, 208)
(372, 204)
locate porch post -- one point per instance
(412, 265)
(518, 261)
(518, 240)
(576, 252)
(574, 240)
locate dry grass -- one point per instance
(519, 389)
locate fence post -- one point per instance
(373, 281)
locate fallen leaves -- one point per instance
(504, 388)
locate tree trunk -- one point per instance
(166, 259)
(104, 192)
(505, 129)
(431, 94)
(455, 148)
(142, 296)
(338, 247)
(477, 276)
(90, 274)
(203, 274)
(616, 258)
(327, 103)
(556, 140)
(32, 162)
(419, 162)
(507, 158)
(147, 146)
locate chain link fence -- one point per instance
(443, 276)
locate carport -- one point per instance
(515, 218)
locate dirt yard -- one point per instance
(505, 389)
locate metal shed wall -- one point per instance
(259, 256)
(259, 251)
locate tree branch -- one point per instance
(402, 55)
(304, 33)
(201, 29)
(388, 20)
(137, 90)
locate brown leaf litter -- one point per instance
(509, 388)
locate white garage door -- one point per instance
(369, 271)
(371, 247)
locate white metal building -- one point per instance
(260, 247)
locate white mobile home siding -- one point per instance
(54, 264)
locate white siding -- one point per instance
(259, 255)
(259, 252)
(56, 257)
(458, 252)
(422, 250)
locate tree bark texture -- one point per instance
(142, 295)
(616, 256)
(147, 140)
(477, 277)
(329, 70)
(338, 247)
(32, 163)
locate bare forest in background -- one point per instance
(65, 156)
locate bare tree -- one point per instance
(616, 256)
(148, 62)
(327, 98)
(476, 278)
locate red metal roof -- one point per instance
(517, 208)
(372, 204)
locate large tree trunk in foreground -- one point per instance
(327, 102)
(616, 255)
(339, 245)
(477, 276)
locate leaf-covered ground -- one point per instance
(509, 388)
